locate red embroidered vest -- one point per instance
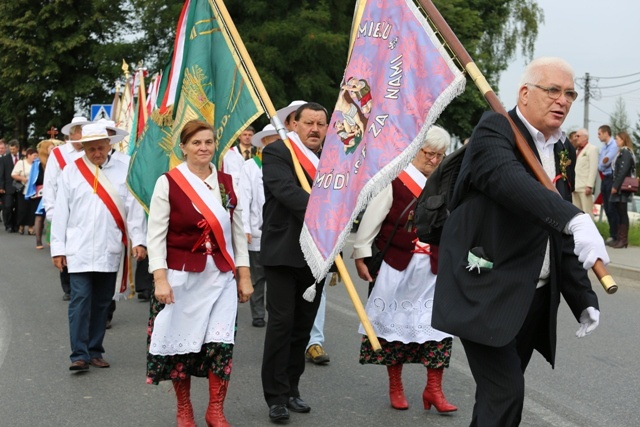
(189, 233)
(400, 252)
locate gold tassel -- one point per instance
(95, 180)
(335, 279)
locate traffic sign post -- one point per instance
(100, 111)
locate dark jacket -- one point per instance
(502, 209)
(622, 168)
(283, 211)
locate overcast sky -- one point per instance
(601, 38)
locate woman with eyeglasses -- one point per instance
(624, 165)
(400, 302)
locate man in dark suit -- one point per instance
(288, 275)
(508, 249)
(9, 195)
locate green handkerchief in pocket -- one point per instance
(477, 260)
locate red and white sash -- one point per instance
(307, 158)
(110, 197)
(209, 206)
(57, 153)
(413, 179)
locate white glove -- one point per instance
(589, 320)
(589, 245)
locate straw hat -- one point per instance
(268, 130)
(283, 113)
(111, 125)
(76, 121)
(96, 132)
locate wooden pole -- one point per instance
(255, 79)
(606, 280)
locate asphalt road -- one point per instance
(595, 382)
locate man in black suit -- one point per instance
(288, 275)
(508, 249)
(9, 195)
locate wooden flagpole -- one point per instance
(256, 81)
(606, 280)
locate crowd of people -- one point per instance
(215, 238)
(607, 167)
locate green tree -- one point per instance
(618, 119)
(300, 48)
(56, 55)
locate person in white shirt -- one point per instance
(252, 196)
(232, 163)
(95, 214)
(60, 157)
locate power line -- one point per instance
(598, 108)
(621, 94)
(620, 85)
(618, 77)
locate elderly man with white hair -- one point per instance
(95, 215)
(399, 305)
(586, 172)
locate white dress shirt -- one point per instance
(232, 163)
(252, 194)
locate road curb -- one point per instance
(626, 272)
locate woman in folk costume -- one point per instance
(200, 264)
(400, 302)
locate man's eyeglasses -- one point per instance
(430, 155)
(554, 92)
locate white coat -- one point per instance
(252, 196)
(84, 230)
(52, 173)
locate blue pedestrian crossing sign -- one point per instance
(100, 111)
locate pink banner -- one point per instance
(397, 82)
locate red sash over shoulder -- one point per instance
(59, 157)
(112, 207)
(308, 160)
(213, 211)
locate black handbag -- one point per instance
(374, 262)
(18, 185)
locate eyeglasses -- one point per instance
(554, 92)
(430, 155)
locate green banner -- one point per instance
(213, 88)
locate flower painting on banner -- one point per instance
(398, 80)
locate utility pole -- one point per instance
(587, 89)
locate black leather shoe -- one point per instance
(296, 404)
(259, 323)
(144, 295)
(278, 412)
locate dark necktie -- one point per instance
(15, 159)
(247, 154)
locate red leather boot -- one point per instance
(184, 415)
(432, 394)
(396, 391)
(217, 394)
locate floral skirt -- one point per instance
(431, 354)
(215, 357)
